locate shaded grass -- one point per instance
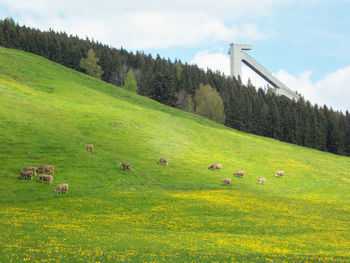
(178, 213)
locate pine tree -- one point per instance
(347, 134)
(163, 89)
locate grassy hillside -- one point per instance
(153, 213)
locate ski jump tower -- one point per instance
(236, 59)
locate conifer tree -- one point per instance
(163, 89)
(347, 134)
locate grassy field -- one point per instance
(153, 213)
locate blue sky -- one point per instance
(306, 44)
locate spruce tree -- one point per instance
(162, 89)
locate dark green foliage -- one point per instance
(175, 84)
(347, 133)
(162, 89)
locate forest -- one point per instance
(244, 107)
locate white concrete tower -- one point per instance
(236, 59)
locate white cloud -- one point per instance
(213, 61)
(333, 90)
(224, 8)
(161, 30)
(139, 24)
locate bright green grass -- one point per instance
(178, 213)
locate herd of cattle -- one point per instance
(240, 174)
(31, 171)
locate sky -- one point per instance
(304, 43)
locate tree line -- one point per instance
(187, 87)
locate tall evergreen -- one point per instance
(162, 88)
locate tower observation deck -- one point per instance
(236, 59)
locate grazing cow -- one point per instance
(261, 180)
(90, 147)
(239, 174)
(61, 188)
(27, 174)
(30, 168)
(215, 166)
(227, 181)
(163, 161)
(279, 174)
(46, 177)
(126, 166)
(47, 168)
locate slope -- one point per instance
(180, 212)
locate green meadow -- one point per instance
(153, 213)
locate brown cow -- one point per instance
(163, 161)
(46, 177)
(239, 174)
(27, 174)
(279, 174)
(90, 147)
(48, 168)
(30, 168)
(261, 180)
(61, 188)
(227, 181)
(215, 166)
(126, 166)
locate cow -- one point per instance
(90, 147)
(46, 177)
(30, 168)
(279, 174)
(239, 174)
(27, 174)
(47, 168)
(261, 180)
(215, 166)
(126, 166)
(61, 188)
(227, 181)
(163, 161)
